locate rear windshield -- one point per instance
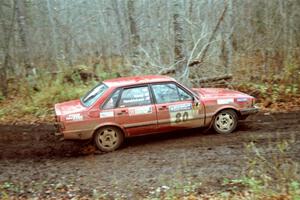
(93, 95)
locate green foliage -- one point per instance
(1, 97)
(275, 88)
(254, 185)
(276, 92)
(269, 175)
(35, 98)
(174, 190)
(6, 188)
(291, 70)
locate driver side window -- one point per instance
(183, 95)
(169, 92)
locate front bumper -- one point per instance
(249, 111)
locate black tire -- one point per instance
(108, 138)
(225, 121)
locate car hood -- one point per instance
(69, 107)
(218, 92)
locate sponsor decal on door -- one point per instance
(74, 117)
(140, 110)
(182, 113)
(106, 114)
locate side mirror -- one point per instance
(195, 100)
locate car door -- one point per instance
(136, 112)
(176, 107)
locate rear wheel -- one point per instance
(108, 138)
(225, 121)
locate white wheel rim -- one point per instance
(224, 122)
(108, 138)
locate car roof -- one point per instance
(135, 80)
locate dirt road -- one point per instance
(34, 163)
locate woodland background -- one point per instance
(54, 50)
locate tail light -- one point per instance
(57, 118)
(59, 125)
(253, 101)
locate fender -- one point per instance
(209, 118)
(111, 124)
(203, 106)
(226, 107)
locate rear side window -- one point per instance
(165, 93)
(112, 101)
(137, 96)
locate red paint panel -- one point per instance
(137, 120)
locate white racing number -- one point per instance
(181, 112)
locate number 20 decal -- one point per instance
(181, 117)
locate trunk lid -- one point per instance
(69, 107)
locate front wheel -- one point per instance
(108, 138)
(225, 121)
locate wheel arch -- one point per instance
(109, 125)
(222, 109)
(238, 113)
(232, 109)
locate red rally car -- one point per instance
(132, 106)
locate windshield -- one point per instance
(93, 95)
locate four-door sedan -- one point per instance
(132, 106)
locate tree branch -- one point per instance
(200, 60)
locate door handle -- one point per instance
(122, 112)
(163, 108)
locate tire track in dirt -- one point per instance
(29, 141)
(143, 163)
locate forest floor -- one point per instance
(34, 163)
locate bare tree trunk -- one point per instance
(134, 36)
(181, 68)
(53, 30)
(212, 36)
(121, 27)
(118, 19)
(7, 34)
(229, 36)
(23, 33)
